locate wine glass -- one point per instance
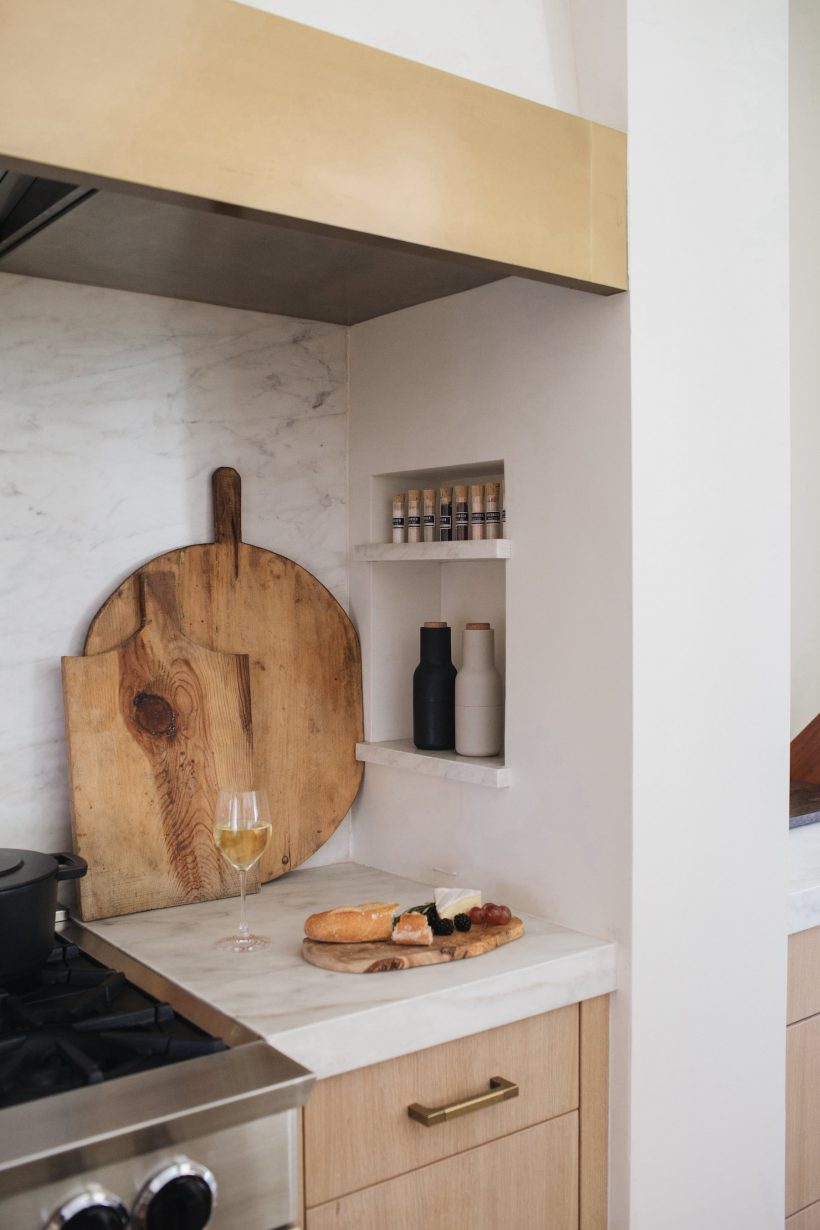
(242, 830)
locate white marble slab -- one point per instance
(332, 1022)
(804, 878)
(114, 409)
(390, 552)
(403, 754)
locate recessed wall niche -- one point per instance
(410, 586)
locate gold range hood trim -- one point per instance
(346, 152)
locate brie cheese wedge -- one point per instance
(452, 901)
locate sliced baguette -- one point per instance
(353, 924)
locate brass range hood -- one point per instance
(205, 150)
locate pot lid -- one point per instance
(21, 867)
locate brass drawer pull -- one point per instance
(500, 1091)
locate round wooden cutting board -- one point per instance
(382, 956)
(305, 669)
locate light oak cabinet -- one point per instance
(803, 1083)
(804, 975)
(806, 1219)
(535, 1161)
(528, 1180)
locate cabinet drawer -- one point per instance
(527, 1181)
(806, 1219)
(802, 1114)
(358, 1132)
(804, 974)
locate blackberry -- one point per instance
(442, 926)
(463, 922)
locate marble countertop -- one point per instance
(804, 878)
(331, 1022)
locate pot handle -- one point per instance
(70, 866)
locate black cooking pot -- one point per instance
(28, 901)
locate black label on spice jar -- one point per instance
(462, 517)
(445, 521)
(411, 521)
(429, 519)
(492, 518)
(477, 518)
(398, 523)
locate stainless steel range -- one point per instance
(126, 1102)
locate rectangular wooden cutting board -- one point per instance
(155, 728)
(382, 956)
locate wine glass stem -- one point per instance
(243, 922)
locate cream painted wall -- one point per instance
(708, 220)
(805, 358)
(567, 54)
(114, 410)
(539, 377)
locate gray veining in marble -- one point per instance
(114, 410)
(336, 1022)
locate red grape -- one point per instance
(477, 914)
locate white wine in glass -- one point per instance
(242, 830)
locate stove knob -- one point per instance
(95, 1209)
(179, 1197)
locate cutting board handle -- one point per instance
(227, 493)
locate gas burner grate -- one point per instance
(64, 1000)
(76, 1023)
(62, 954)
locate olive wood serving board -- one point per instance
(155, 728)
(380, 956)
(305, 669)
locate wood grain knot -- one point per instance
(154, 715)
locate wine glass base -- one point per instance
(243, 943)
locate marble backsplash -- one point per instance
(114, 409)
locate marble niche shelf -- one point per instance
(394, 552)
(403, 754)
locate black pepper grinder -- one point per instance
(434, 691)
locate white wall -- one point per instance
(567, 54)
(537, 376)
(805, 358)
(114, 410)
(709, 319)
